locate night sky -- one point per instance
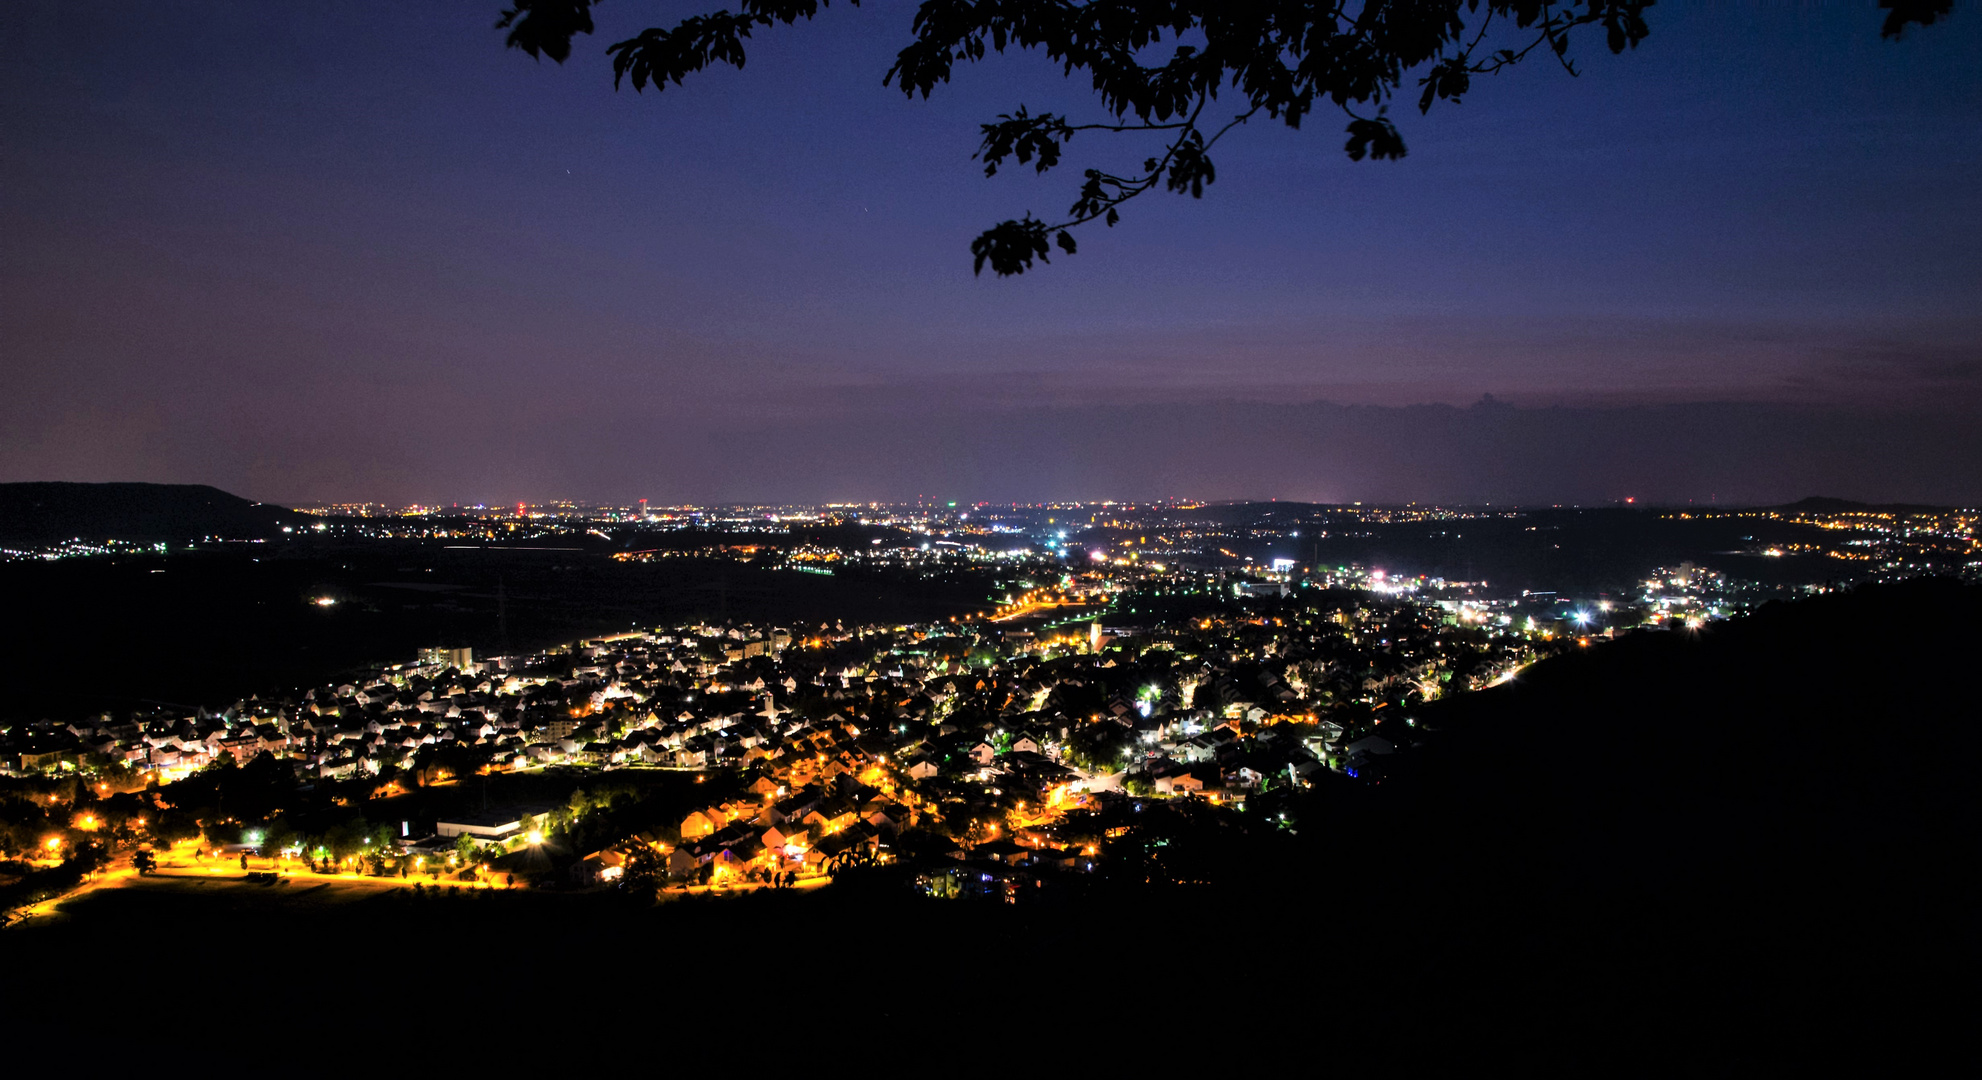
(360, 251)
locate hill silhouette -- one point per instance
(34, 514)
(1822, 504)
(1849, 709)
(1742, 829)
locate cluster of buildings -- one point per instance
(1123, 652)
(77, 548)
(844, 736)
(1875, 543)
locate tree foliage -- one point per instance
(643, 874)
(1184, 73)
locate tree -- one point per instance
(643, 874)
(276, 836)
(347, 838)
(1276, 59)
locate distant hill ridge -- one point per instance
(1821, 504)
(35, 514)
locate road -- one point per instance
(109, 876)
(183, 863)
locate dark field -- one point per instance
(208, 628)
(1580, 551)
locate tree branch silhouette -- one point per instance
(1280, 57)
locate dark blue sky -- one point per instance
(320, 250)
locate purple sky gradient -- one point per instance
(320, 251)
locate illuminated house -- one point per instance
(1182, 783)
(598, 868)
(785, 838)
(700, 823)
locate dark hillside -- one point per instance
(46, 513)
(1829, 722)
(1753, 828)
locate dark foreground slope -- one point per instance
(1767, 828)
(1840, 728)
(1745, 847)
(35, 514)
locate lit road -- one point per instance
(111, 875)
(1103, 781)
(181, 863)
(1033, 603)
